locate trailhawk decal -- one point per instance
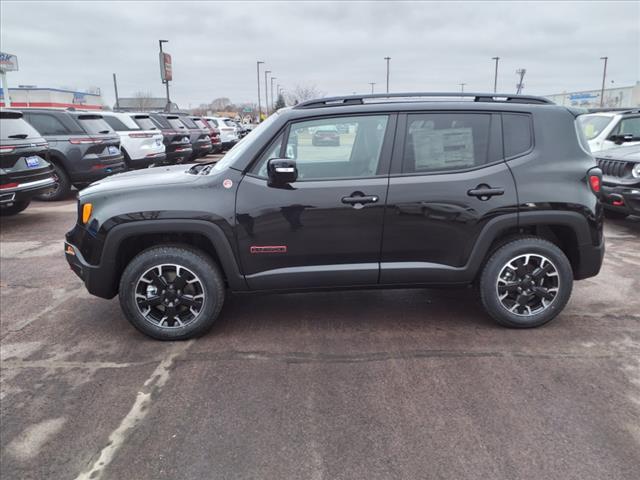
(269, 249)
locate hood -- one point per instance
(144, 178)
(629, 153)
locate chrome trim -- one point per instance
(35, 183)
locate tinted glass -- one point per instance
(629, 126)
(322, 151)
(215, 122)
(17, 128)
(200, 124)
(592, 125)
(176, 123)
(116, 124)
(94, 126)
(188, 122)
(157, 120)
(145, 123)
(47, 124)
(516, 130)
(437, 142)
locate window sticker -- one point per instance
(443, 149)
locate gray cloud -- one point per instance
(337, 46)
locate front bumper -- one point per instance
(95, 277)
(625, 199)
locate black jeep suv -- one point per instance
(24, 170)
(422, 189)
(82, 146)
(621, 180)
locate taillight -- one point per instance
(9, 185)
(82, 141)
(141, 135)
(595, 180)
(7, 148)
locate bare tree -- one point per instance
(143, 100)
(303, 92)
(220, 104)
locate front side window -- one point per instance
(629, 126)
(338, 147)
(47, 124)
(440, 142)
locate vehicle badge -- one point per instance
(227, 183)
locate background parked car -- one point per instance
(140, 147)
(83, 148)
(176, 137)
(200, 141)
(24, 170)
(621, 180)
(214, 133)
(605, 130)
(228, 133)
(326, 135)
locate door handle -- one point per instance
(355, 199)
(485, 192)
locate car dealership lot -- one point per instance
(372, 384)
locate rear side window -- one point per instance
(16, 128)
(47, 124)
(94, 125)
(518, 138)
(441, 142)
(116, 124)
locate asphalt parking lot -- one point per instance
(358, 385)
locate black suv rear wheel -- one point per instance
(172, 293)
(60, 189)
(526, 283)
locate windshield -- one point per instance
(240, 147)
(593, 125)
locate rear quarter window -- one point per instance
(517, 132)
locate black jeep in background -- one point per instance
(83, 148)
(176, 140)
(621, 181)
(421, 190)
(24, 170)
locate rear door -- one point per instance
(448, 180)
(325, 229)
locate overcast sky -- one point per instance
(339, 47)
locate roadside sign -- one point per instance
(8, 62)
(247, 110)
(166, 73)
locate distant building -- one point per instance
(145, 104)
(34, 97)
(619, 97)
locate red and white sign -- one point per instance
(166, 73)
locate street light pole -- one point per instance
(372, 84)
(387, 59)
(462, 87)
(272, 102)
(115, 87)
(259, 106)
(495, 76)
(266, 92)
(166, 82)
(604, 76)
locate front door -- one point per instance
(448, 181)
(317, 232)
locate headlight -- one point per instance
(635, 171)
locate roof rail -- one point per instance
(477, 97)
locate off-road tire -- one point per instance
(62, 188)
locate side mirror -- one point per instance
(622, 138)
(281, 171)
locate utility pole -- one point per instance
(604, 76)
(272, 102)
(520, 85)
(462, 87)
(495, 77)
(166, 82)
(115, 87)
(266, 92)
(387, 59)
(259, 106)
(372, 84)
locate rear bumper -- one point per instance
(624, 199)
(99, 169)
(26, 190)
(151, 159)
(179, 156)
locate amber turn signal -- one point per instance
(87, 208)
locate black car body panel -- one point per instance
(77, 143)
(415, 227)
(24, 169)
(621, 179)
(177, 141)
(200, 139)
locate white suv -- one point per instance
(605, 130)
(228, 131)
(141, 147)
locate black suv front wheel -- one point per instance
(172, 293)
(526, 283)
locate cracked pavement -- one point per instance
(342, 385)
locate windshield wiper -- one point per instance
(19, 135)
(104, 131)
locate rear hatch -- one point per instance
(181, 138)
(19, 141)
(104, 142)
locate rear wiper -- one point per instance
(19, 135)
(104, 131)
